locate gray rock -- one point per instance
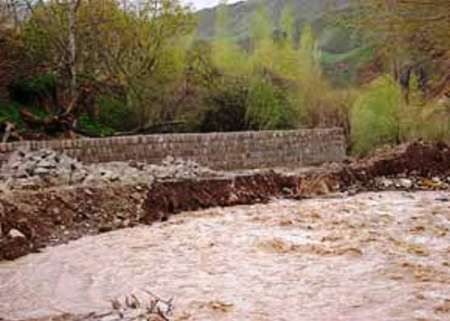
(13, 233)
(126, 223)
(47, 164)
(42, 171)
(387, 183)
(46, 168)
(406, 183)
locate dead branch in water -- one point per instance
(132, 308)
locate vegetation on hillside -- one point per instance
(100, 68)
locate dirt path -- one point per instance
(374, 256)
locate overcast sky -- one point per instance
(199, 4)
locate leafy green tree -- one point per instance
(227, 55)
(267, 106)
(119, 45)
(375, 117)
(288, 24)
(407, 32)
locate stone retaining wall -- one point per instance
(227, 151)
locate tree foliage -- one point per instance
(375, 116)
(134, 66)
(408, 33)
(119, 48)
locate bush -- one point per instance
(115, 114)
(33, 91)
(226, 108)
(94, 128)
(375, 116)
(432, 123)
(10, 113)
(267, 106)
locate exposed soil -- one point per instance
(31, 220)
(417, 160)
(54, 216)
(174, 197)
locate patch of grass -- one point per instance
(10, 112)
(94, 128)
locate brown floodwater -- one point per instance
(375, 256)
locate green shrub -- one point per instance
(93, 127)
(115, 114)
(225, 108)
(10, 113)
(267, 106)
(32, 91)
(422, 119)
(432, 123)
(375, 116)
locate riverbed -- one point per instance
(373, 256)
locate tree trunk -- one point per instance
(72, 47)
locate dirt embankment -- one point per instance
(167, 198)
(54, 216)
(414, 161)
(32, 219)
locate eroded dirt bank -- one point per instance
(49, 215)
(373, 256)
(57, 215)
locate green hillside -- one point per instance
(339, 47)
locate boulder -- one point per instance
(13, 233)
(406, 183)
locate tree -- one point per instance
(12, 60)
(227, 55)
(375, 117)
(407, 33)
(142, 50)
(116, 47)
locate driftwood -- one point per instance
(51, 124)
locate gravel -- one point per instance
(47, 168)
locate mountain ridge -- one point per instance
(314, 12)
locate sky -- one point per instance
(200, 4)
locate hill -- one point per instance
(342, 53)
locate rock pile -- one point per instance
(141, 173)
(174, 168)
(45, 168)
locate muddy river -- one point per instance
(375, 256)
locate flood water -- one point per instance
(375, 256)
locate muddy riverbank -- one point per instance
(144, 194)
(382, 256)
